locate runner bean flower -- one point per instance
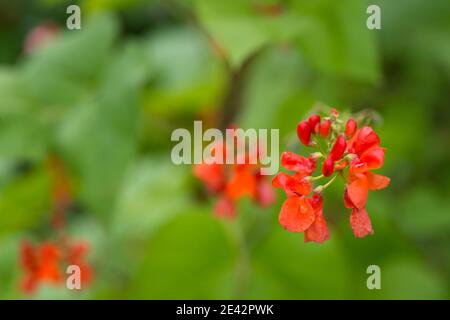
(340, 150)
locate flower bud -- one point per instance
(325, 128)
(328, 167)
(350, 128)
(338, 148)
(304, 132)
(314, 121)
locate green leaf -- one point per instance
(240, 29)
(63, 72)
(337, 40)
(187, 76)
(190, 258)
(24, 202)
(99, 137)
(279, 98)
(284, 267)
(150, 197)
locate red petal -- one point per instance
(377, 181)
(292, 185)
(296, 214)
(242, 183)
(347, 202)
(357, 192)
(265, 195)
(366, 138)
(224, 208)
(292, 161)
(212, 175)
(373, 158)
(316, 202)
(360, 223)
(318, 231)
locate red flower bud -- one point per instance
(314, 121)
(338, 148)
(304, 132)
(350, 128)
(325, 128)
(328, 167)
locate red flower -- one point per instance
(46, 263)
(77, 256)
(234, 181)
(368, 155)
(41, 264)
(360, 154)
(296, 214)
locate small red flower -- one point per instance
(298, 213)
(41, 264)
(233, 182)
(46, 263)
(368, 155)
(76, 255)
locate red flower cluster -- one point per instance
(230, 182)
(343, 149)
(45, 263)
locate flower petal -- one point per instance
(360, 223)
(373, 158)
(357, 192)
(212, 175)
(377, 181)
(295, 162)
(296, 214)
(318, 231)
(241, 184)
(366, 138)
(265, 195)
(225, 208)
(347, 202)
(292, 185)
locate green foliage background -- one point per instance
(107, 97)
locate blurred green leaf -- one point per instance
(24, 202)
(64, 72)
(241, 28)
(284, 267)
(200, 82)
(183, 262)
(337, 40)
(404, 278)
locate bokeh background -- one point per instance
(105, 99)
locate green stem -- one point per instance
(316, 178)
(326, 185)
